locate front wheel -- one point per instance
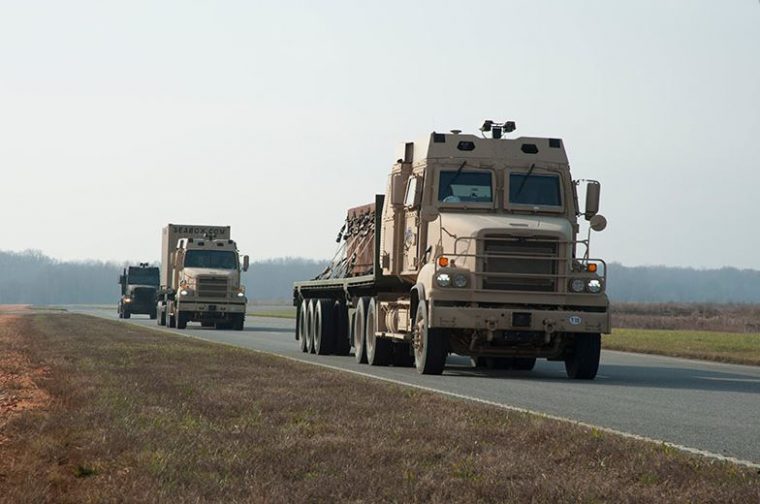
(583, 362)
(430, 349)
(238, 322)
(181, 320)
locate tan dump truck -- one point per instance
(475, 249)
(200, 278)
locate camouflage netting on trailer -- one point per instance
(356, 253)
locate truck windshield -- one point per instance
(218, 259)
(458, 186)
(143, 276)
(531, 189)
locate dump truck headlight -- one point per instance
(577, 285)
(594, 286)
(443, 279)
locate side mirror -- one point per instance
(122, 280)
(246, 263)
(593, 189)
(413, 194)
(598, 222)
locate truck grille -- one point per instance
(212, 287)
(145, 295)
(512, 260)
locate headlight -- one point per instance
(577, 285)
(443, 279)
(241, 294)
(127, 300)
(184, 292)
(594, 286)
(460, 280)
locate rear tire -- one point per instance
(340, 328)
(430, 349)
(323, 331)
(524, 363)
(379, 350)
(310, 326)
(583, 362)
(360, 342)
(402, 354)
(303, 325)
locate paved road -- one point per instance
(706, 406)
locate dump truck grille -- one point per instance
(520, 264)
(212, 287)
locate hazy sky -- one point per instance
(119, 117)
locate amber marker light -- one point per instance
(592, 268)
(443, 261)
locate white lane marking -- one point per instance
(742, 380)
(506, 407)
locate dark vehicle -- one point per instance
(139, 285)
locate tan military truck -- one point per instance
(200, 278)
(476, 249)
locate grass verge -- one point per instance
(736, 348)
(136, 415)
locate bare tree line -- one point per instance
(34, 278)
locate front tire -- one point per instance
(430, 350)
(182, 320)
(379, 350)
(583, 362)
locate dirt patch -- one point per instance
(19, 377)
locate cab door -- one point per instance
(411, 238)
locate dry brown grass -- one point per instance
(741, 318)
(142, 416)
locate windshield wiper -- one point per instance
(456, 176)
(525, 180)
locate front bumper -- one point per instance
(211, 307)
(519, 319)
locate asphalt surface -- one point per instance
(706, 406)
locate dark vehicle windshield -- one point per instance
(458, 186)
(143, 276)
(538, 190)
(219, 259)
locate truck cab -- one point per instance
(201, 278)
(487, 230)
(139, 285)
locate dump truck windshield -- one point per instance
(533, 189)
(218, 259)
(458, 186)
